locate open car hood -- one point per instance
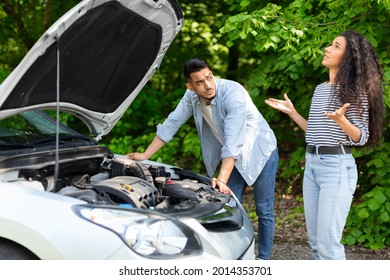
(94, 60)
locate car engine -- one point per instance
(122, 182)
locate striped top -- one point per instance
(325, 132)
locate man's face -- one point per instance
(202, 82)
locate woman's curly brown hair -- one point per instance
(361, 76)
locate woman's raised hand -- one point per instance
(284, 106)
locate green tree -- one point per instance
(22, 22)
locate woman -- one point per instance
(347, 110)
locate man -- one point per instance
(234, 134)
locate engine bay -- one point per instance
(122, 182)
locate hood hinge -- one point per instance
(155, 3)
(102, 132)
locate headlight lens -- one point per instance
(149, 234)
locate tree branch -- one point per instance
(16, 15)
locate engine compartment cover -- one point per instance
(128, 190)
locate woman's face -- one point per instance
(334, 53)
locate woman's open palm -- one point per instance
(284, 106)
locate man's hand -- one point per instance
(221, 185)
(137, 156)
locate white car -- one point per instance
(63, 196)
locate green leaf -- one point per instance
(373, 204)
(294, 76)
(245, 3)
(363, 213)
(385, 216)
(377, 162)
(350, 13)
(377, 245)
(379, 196)
(243, 35)
(356, 233)
(387, 206)
(276, 39)
(332, 14)
(361, 239)
(350, 240)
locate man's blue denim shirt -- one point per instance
(247, 136)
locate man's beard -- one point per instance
(210, 98)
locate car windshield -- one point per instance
(32, 129)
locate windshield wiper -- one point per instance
(63, 139)
(4, 144)
(76, 137)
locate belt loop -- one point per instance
(316, 149)
(342, 148)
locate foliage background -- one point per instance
(271, 47)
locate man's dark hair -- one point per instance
(194, 65)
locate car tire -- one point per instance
(12, 251)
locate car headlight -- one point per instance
(148, 234)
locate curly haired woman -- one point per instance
(346, 111)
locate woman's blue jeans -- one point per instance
(328, 186)
(264, 189)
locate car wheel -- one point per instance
(12, 251)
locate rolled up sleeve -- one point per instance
(361, 121)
